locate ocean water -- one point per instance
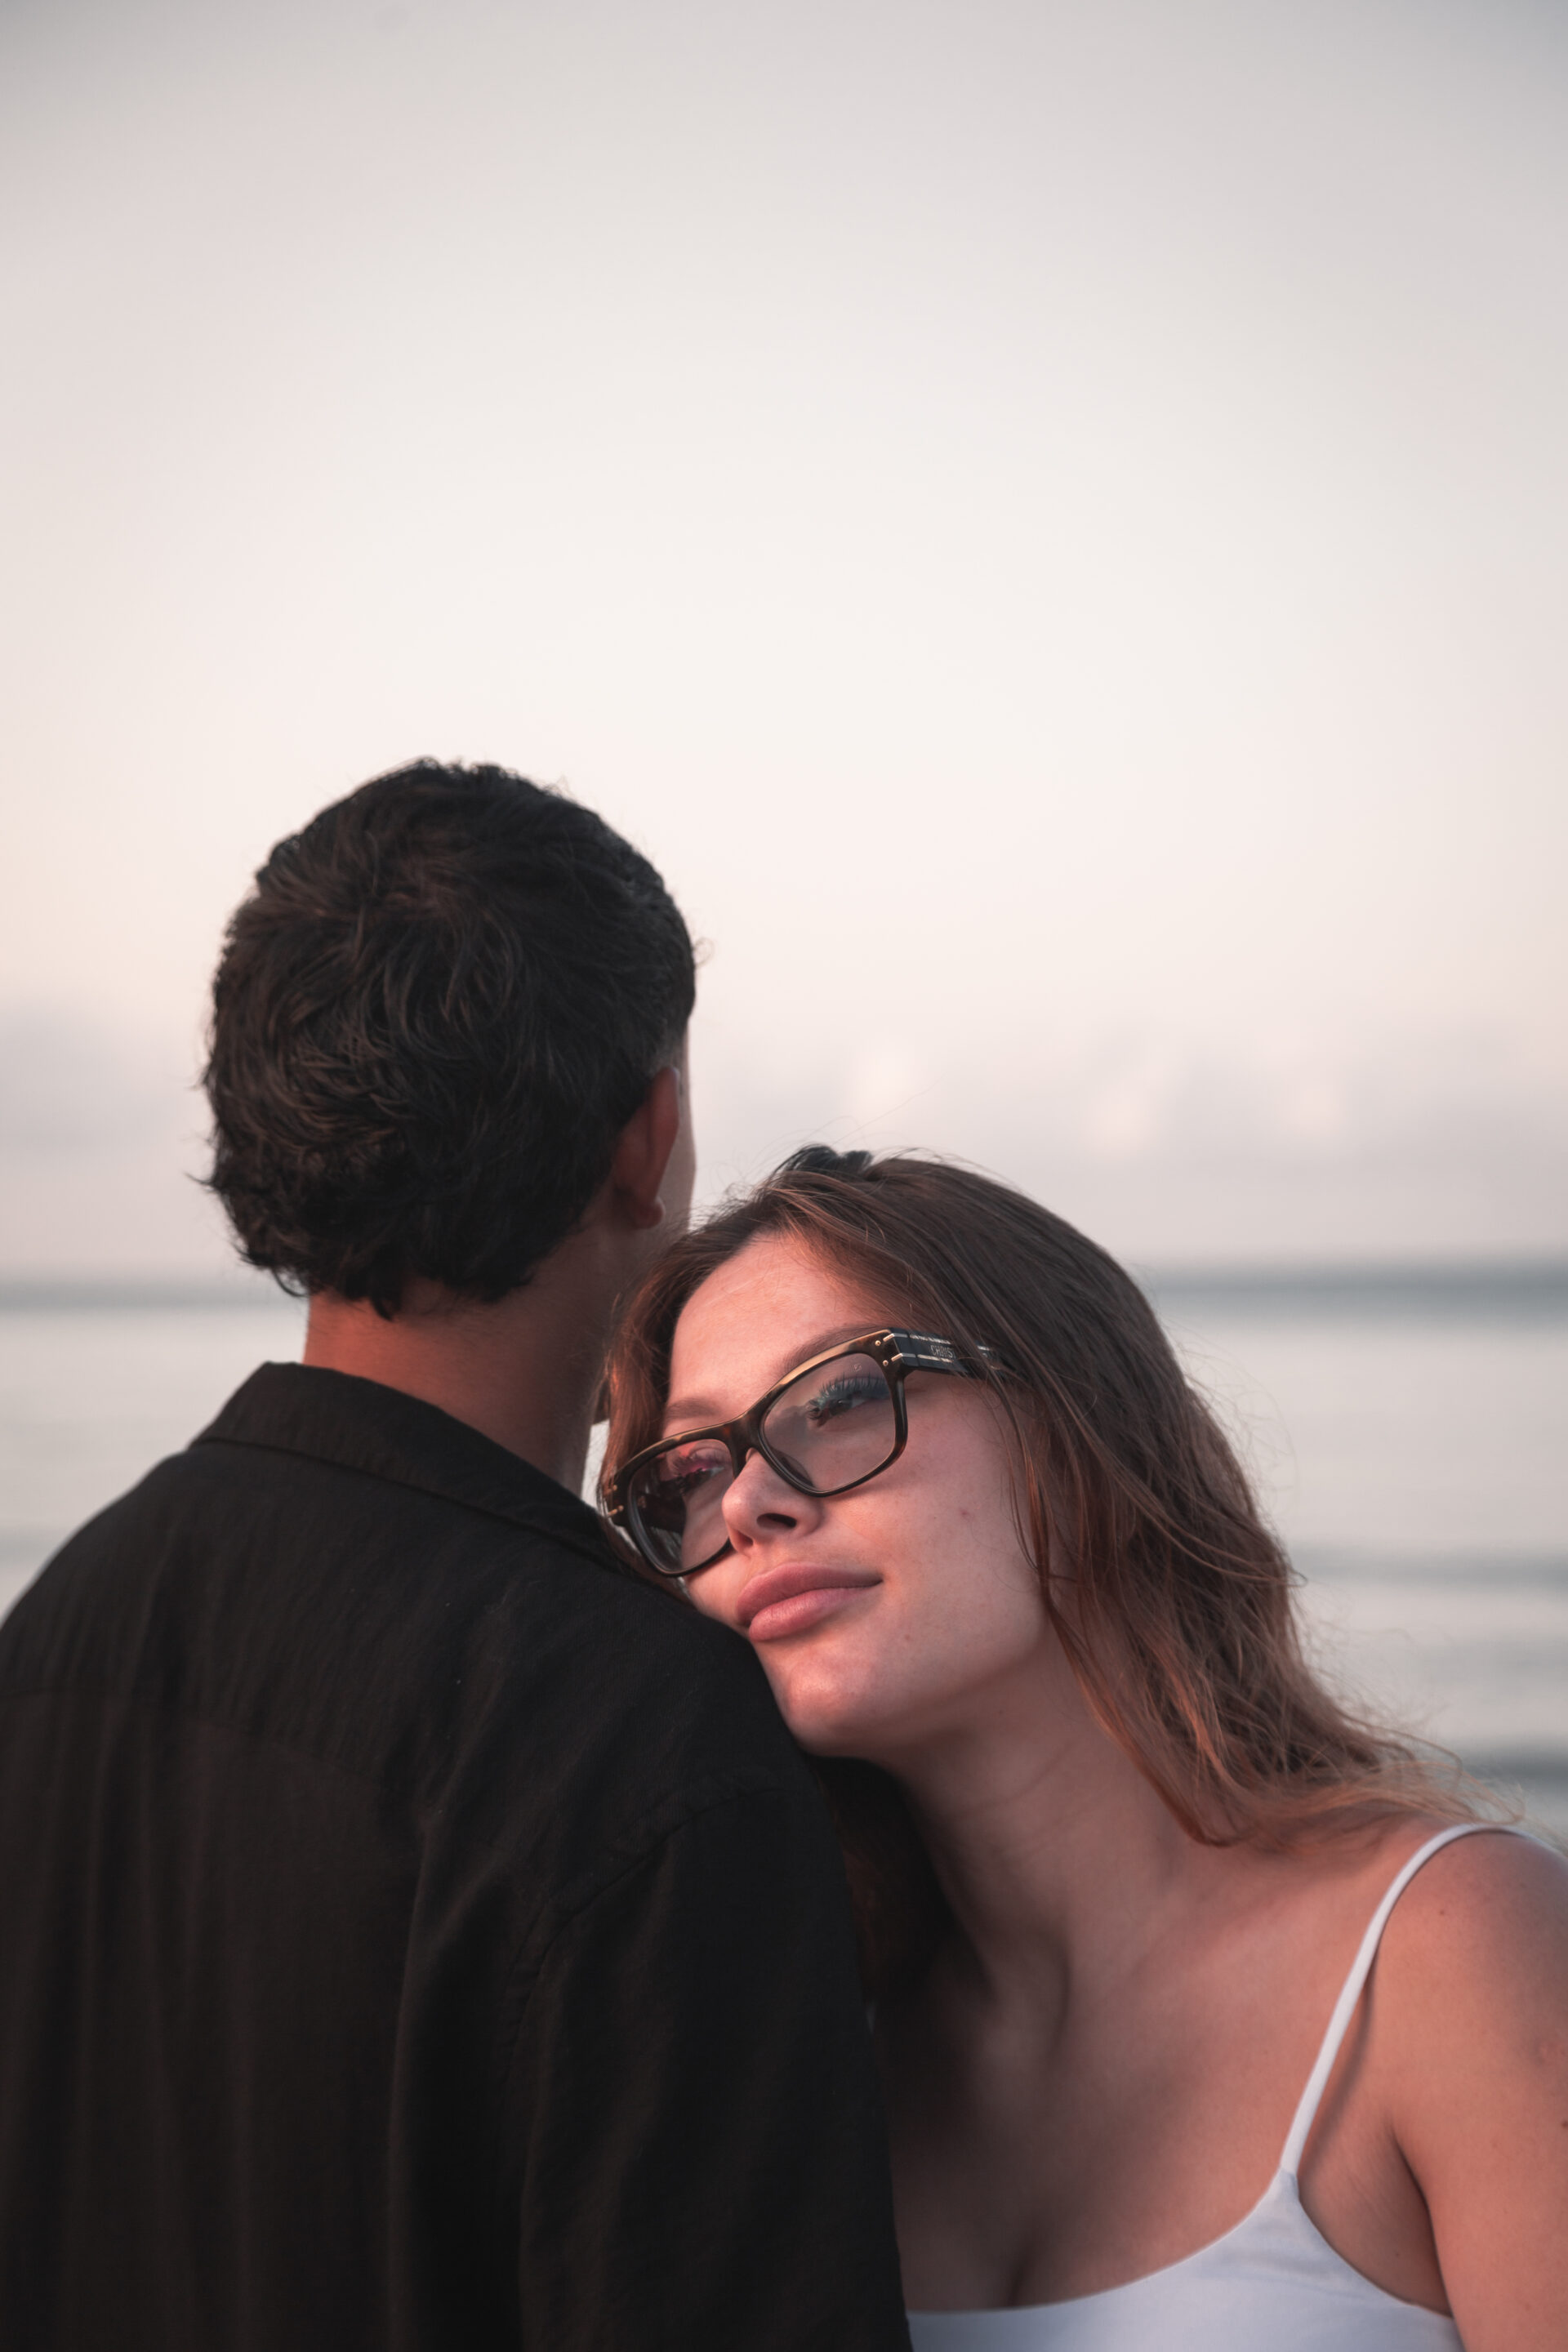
(1409, 1436)
(1411, 1443)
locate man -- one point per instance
(417, 1931)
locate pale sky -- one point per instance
(1049, 522)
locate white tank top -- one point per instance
(1272, 2285)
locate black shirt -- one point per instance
(413, 1931)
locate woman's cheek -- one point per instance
(713, 1600)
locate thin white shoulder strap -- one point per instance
(1344, 2008)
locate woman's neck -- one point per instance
(1057, 1856)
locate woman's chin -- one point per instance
(827, 1718)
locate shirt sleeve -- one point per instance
(701, 2154)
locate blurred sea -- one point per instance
(1408, 1429)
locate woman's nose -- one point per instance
(759, 1502)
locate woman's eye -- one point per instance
(682, 1473)
(842, 1396)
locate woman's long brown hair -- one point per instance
(1170, 1595)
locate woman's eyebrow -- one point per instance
(701, 1411)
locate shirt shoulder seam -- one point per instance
(599, 1556)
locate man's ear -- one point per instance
(642, 1155)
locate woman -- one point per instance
(928, 1449)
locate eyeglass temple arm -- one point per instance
(920, 1352)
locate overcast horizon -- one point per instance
(1048, 526)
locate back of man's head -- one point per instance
(434, 1016)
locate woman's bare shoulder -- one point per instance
(1490, 1900)
(1470, 1991)
(1470, 2017)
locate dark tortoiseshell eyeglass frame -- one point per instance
(898, 1353)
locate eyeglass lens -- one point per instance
(829, 1429)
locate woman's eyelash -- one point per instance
(843, 1392)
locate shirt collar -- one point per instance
(360, 1425)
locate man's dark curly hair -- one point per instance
(433, 1016)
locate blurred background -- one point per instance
(1049, 524)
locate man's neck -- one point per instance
(525, 1372)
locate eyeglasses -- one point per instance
(828, 1425)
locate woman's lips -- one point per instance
(787, 1600)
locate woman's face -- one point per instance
(887, 1617)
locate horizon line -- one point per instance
(1537, 1280)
